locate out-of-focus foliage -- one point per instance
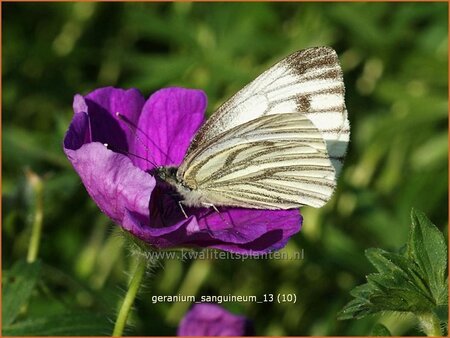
(394, 57)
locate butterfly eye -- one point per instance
(160, 172)
(172, 172)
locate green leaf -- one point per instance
(362, 291)
(355, 309)
(427, 247)
(442, 313)
(396, 287)
(69, 324)
(400, 280)
(379, 330)
(18, 284)
(443, 297)
(406, 282)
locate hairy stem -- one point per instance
(128, 301)
(430, 324)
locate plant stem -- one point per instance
(38, 214)
(129, 297)
(430, 324)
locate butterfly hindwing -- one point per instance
(271, 162)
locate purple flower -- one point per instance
(213, 320)
(115, 156)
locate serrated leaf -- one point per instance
(427, 247)
(362, 291)
(18, 284)
(379, 330)
(443, 297)
(70, 324)
(400, 274)
(401, 283)
(355, 309)
(442, 313)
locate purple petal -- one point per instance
(213, 320)
(271, 231)
(167, 125)
(112, 180)
(79, 104)
(276, 227)
(245, 231)
(165, 237)
(78, 132)
(102, 106)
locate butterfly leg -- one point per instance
(182, 209)
(210, 205)
(230, 230)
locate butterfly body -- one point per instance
(190, 196)
(278, 143)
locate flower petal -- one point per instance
(213, 320)
(79, 104)
(244, 231)
(164, 237)
(112, 180)
(102, 106)
(78, 132)
(256, 231)
(239, 225)
(168, 122)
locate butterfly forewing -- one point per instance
(308, 82)
(271, 162)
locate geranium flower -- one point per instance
(116, 140)
(213, 320)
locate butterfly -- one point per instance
(278, 143)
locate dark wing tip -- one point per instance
(314, 57)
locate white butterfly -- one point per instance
(278, 143)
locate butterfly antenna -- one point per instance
(133, 129)
(125, 152)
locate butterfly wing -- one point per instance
(271, 162)
(308, 82)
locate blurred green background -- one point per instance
(394, 57)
